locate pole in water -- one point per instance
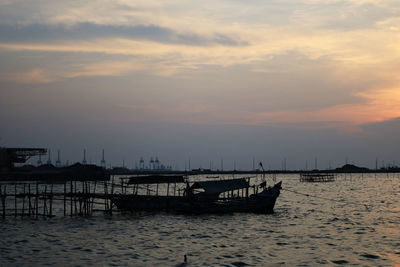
(29, 199)
(51, 201)
(71, 210)
(37, 200)
(15, 200)
(65, 193)
(23, 202)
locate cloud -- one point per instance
(29, 77)
(86, 31)
(149, 107)
(379, 105)
(234, 33)
(189, 112)
(389, 127)
(236, 94)
(305, 69)
(105, 68)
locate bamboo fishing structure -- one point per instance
(45, 199)
(70, 198)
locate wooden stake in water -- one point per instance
(29, 200)
(94, 192)
(15, 200)
(76, 209)
(112, 194)
(51, 201)
(44, 200)
(23, 202)
(3, 199)
(37, 200)
(65, 195)
(71, 210)
(105, 197)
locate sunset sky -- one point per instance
(203, 80)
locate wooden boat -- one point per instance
(218, 196)
(262, 202)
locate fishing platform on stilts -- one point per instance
(47, 191)
(69, 198)
(317, 177)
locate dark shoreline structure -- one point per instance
(88, 172)
(75, 172)
(347, 168)
(11, 155)
(46, 172)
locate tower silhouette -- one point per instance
(84, 157)
(141, 163)
(151, 163)
(58, 162)
(49, 159)
(103, 161)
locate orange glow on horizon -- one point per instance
(380, 105)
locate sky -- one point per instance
(209, 81)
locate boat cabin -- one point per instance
(213, 189)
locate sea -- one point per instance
(353, 221)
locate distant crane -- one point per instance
(84, 157)
(151, 163)
(49, 159)
(58, 162)
(103, 161)
(141, 163)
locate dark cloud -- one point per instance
(85, 31)
(389, 128)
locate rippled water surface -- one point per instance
(353, 221)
